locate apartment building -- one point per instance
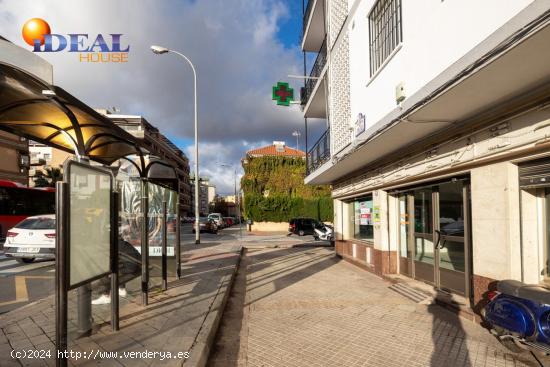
(437, 140)
(14, 165)
(207, 194)
(159, 146)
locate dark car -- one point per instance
(302, 226)
(206, 225)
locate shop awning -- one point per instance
(48, 114)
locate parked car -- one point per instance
(217, 217)
(32, 238)
(228, 221)
(303, 226)
(206, 225)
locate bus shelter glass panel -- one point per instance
(129, 240)
(90, 193)
(172, 201)
(158, 195)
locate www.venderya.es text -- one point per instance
(98, 354)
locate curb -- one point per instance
(200, 350)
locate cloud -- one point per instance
(233, 44)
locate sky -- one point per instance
(240, 48)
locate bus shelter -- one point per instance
(113, 190)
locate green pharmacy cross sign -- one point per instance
(283, 94)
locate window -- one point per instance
(385, 31)
(363, 219)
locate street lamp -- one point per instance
(237, 201)
(159, 50)
(297, 134)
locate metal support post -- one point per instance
(164, 247)
(114, 264)
(144, 243)
(84, 310)
(61, 273)
(178, 242)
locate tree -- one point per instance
(48, 177)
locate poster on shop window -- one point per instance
(365, 212)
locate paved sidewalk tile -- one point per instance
(304, 307)
(170, 323)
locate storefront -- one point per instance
(434, 242)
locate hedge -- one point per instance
(281, 208)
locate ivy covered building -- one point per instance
(274, 189)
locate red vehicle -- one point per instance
(18, 202)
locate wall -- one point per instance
(495, 221)
(435, 34)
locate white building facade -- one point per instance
(437, 142)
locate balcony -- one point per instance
(319, 153)
(313, 31)
(313, 94)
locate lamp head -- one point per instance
(159, 50)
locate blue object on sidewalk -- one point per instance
(519, 315)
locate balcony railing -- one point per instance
(315, 73)
(320, 153)
(307, 14)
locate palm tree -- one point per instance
(48, 177)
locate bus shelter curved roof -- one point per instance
(48, 114)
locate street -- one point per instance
(22, 283)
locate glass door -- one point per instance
(405, 251)
(434, 237)
(451, 237)
(423, 235)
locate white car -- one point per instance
(217, 217)
(32, 238)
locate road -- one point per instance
(24, 283)
(21, 284)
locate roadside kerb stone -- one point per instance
(200, 350)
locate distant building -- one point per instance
(42, 157)
(15, 160)
(211, 192)
(230, 199)
(204, 194)
(274, 190)
(159, 146)
(278, 148)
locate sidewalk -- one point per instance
(304, 307)
(182, 319)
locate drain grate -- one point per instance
(409, 292)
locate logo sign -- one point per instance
(90, 48)
(283, 94)
(359, 124)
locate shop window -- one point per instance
(363, 219)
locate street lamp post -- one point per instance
(162, 50)
(237, 201)
(297, 134)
